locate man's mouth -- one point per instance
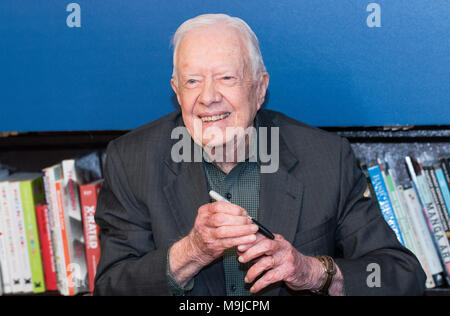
(215, 118)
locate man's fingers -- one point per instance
(271, 276)
(227, 208)
(242, 248)
(235, 231)
(233, 242)
(264, 264)
(222, 219)
(263, 247)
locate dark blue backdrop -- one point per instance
(327, 67)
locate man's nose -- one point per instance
(210, 93)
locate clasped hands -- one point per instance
(222, 225)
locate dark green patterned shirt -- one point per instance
(240, 187)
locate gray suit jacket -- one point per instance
(315, 200)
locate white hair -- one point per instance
(254, 52)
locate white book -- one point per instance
(57, 238)
(419, 245)
(12, 262)
(74, 228)
(421, 227)
(4, 265)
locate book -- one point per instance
(399, 212)
(424, 236)
(445, 165)
(437, 197)
(5, 283)
(32, 193)
(74, 228)
(89, 195)
(64, 240)
(51, 175)
(15, 205)
(45, 238)
(384, 202)
(14, 274)
(417, 248)
(430, 213)
(443, 185)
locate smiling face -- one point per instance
(214, 83)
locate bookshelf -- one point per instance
(34, 151)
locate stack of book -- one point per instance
(419, 212)
(48, 236)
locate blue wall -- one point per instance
(327, 67)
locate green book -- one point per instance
(32, 193)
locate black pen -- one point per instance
(216, 196)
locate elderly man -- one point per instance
(162, 235)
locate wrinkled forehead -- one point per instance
(212, 47)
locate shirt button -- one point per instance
(228, 196)
(233, 288)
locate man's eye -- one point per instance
(227, 78)
(191, 81)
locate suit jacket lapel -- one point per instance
(280, 200)
(281, 192)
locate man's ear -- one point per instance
(175, 89)
(263, 83)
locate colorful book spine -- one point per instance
(443, 186)
(15, 202)
(74, 228)
(443, 162)
(64, 239)
(58, 246)
(12, 240)
(384, 202)
(437, 198)
(399, 212)
(89, 196)
(431, 214)
(418, 246)
(32, 193)
(45, 238)
(420, 225)
(4, 264)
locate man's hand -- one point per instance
(282, 263)
(220, 226)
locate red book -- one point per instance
(88, 198)
(45, 237)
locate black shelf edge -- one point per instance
(66, 139)
(408, 133)
(100, 138)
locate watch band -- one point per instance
(330, 270)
